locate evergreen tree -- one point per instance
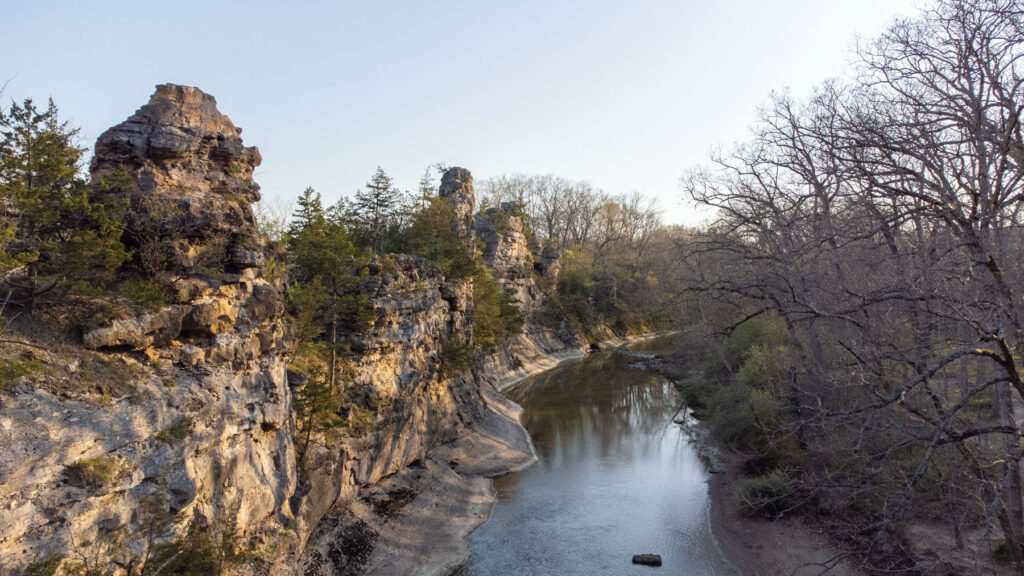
(375, 208)
(323, 297)
(316, 407)
(309, 209)
(432, 235)
(426, 188)
(57, 233)
(495, 317)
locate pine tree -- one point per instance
(375, 207)
(316, 408)
(323, 297)
(308, 210)
(426, 188)
(57, 232)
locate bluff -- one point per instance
(161, 423)
(196, 433)
(401, 498)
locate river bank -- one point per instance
(430, 509)
(788, 546)
(758, 547)
(416, 521)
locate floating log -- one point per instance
(647, 559)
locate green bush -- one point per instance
(768, 330)
(432, 235)
(768, 495)
(766, 367)
(11, 372)
(46, 567)
(147, 294)
(194, 554)
(180, 430)
(456, 357)
(495, 318)
(93, 472)
(744, 417)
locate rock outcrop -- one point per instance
(199, 429)
(524, 268)
(200, 432)
(436, 435)
(179, 144)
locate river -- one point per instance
(615, 477)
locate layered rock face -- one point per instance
(437, 435)
(516, 264)
(201, 432)
(523, 267)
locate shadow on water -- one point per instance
(614, 478)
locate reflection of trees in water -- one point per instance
(596, 403)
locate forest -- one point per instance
(863, 278)
(851, 317)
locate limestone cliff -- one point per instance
(198, 431)
(524, 268)
(402, 497)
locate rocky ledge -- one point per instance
(180, 415)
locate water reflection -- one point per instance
(615, 477)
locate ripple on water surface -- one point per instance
(614, 478)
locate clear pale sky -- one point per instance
(627, 95)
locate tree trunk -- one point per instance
(1012, 490)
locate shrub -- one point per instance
(12, 371)
(46, 567)
(495, 318)
(180, 430)
(768, 495)
(196, 553)
(93, 472)
(432, 235)
(456, 357)
(743, 417)
(147, 294)
(765, 367)
(767, 330)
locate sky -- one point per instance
(627, 95)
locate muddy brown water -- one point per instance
(615, 477)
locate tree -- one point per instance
(495, 318)
(316, 407)
(427, 190)
(59, 233)
(432, 234)
(324, 266)
(376, 209)
(881, 221)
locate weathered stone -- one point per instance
(216, 377)
(156, 329)
(506, 253)
(209, 424)
(179, 144)
(647, 559)
(215, 316)
(457, 188)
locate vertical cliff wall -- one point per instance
(402, 496)
(525, 269)
(197, 430)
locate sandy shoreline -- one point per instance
(761, 547)
(454, 486)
